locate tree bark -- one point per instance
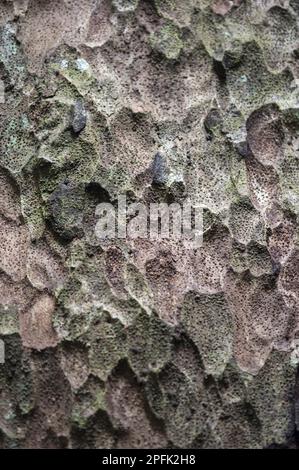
(148, 342)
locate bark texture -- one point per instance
(141, 343)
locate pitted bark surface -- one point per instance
(143, 343)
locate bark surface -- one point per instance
(136, 342)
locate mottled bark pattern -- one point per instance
(144, 343)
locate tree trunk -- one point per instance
(113, 336)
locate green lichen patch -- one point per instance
(167, 41)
